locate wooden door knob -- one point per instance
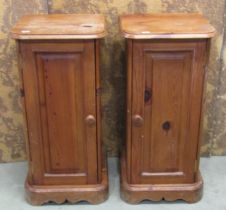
(90, 120)
(137, 120)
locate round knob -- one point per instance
(90, 120)
(138, 120)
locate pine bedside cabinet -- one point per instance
(59, 66)
(166, 60)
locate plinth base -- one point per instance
(135, 193)
(94, 194)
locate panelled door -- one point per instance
(59, 86)
(167, 90)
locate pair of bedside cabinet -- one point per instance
(59, 67)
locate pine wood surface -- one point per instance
(166, 25)
(165, 87)
(60, 26)
(60, 89)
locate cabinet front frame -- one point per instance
(27, 49)
(133, 148)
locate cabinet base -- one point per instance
(135, 193)
(94, 194)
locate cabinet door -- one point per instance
(59, 85)
(167, 84)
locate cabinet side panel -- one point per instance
(101, 151)
(127, 146)
(26, 134)
(32, 108)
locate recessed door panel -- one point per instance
(64, 78)
(165, 88)
(63, 112)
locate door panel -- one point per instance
(166, 91)
(59, 100)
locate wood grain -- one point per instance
(166, 25)
(136, 193)
(61, 83)
(164, 110)
(92, 193)
(60, 26)
(166, 69)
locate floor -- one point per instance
(213, 169)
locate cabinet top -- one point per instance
(60, 26)
(166, 26)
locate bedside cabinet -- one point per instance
(166, 60)
(59, 66)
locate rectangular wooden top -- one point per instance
(60, 26)
(166, 25)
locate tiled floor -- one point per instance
(213, 169)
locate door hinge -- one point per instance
(98, 91)
(22, 93)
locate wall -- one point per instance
(219, 128)
(12, 146)
(12, 136)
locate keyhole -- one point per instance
(147, 95)
(166, 125)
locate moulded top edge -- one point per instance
(60, 26)
(166, 25)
